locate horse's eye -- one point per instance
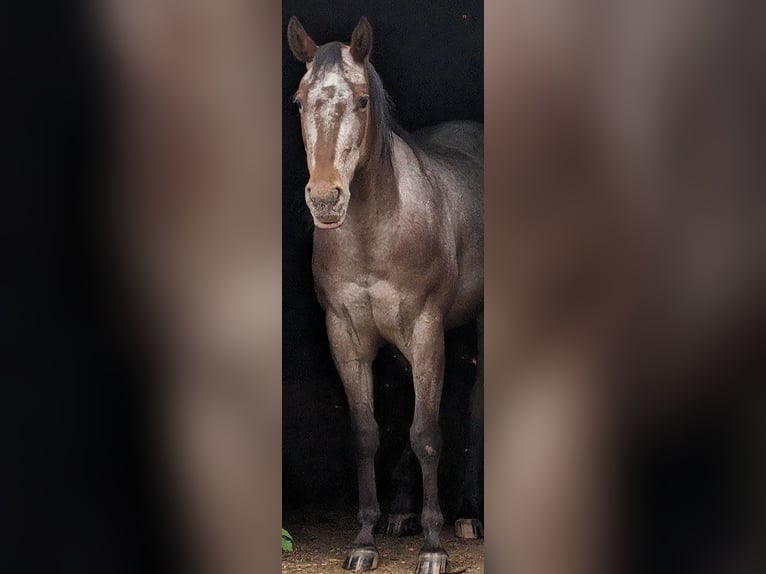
(299, 104)
(363, 102)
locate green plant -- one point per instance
(287, 541)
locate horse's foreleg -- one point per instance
(427, 358)
(353, 355)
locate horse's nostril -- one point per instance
(326, 204)
(329, 196)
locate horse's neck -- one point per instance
(375, 193)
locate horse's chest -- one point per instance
(378, 305)
(381, 289)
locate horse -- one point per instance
(397, 254)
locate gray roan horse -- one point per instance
(398, 254)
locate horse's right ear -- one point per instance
(301, 44)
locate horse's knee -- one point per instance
(426, 441)
(367, 439)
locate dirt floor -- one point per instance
(321, 544)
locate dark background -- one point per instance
(76, 487)
(430, 57)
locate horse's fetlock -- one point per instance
(432, 518)
(369, 516)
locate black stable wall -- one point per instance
(77, 491)
(430, 57)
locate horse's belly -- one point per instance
(469, 291)
(467, 304)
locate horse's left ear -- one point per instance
(361, 41)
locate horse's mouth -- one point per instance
(331, 222)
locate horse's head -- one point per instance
(333, 99)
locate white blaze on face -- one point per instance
(332, 125)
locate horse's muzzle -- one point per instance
(328, 208)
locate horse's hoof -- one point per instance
(402, 525)
(361, 560)
(469, 528)
(431, 563)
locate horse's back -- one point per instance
(466, 137)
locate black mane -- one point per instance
(383, 113)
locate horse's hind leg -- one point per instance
(402, 518)
(353, 354)
(469, 524)
(427, 359)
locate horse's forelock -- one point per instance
(327, 57)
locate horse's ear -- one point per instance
(301, 44)
(361, 41)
